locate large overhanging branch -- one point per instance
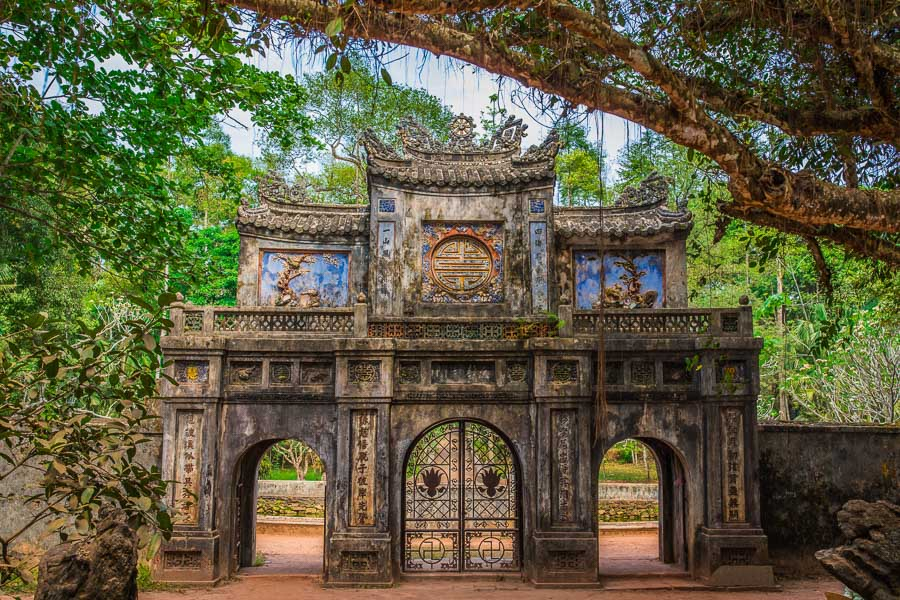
(796, 202)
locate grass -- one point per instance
(627, 472)
(260, 559)
(280, 474)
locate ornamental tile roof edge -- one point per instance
(287, 209)
(461, 161)
(641, 210)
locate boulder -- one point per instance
(104, 568)
(869, 562)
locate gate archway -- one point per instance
(461, 501)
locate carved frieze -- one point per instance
(359, 561)
(676, 373)
(562, 371)
(567, 560)
(280, 373)
(362, 477)
(315, 373)
(731, 371)
(614, 372)
(734, 506)
(517, 371)
(182, 560)
(643, 373)
(191, 371)
(462, 263)
(410, 372)
(245, 372)
(188, 464)
(364, 371)
(476, 371)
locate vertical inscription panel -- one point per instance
(539, 266)
(733, 497)
(362, 475)
(563, 436)
(188, 462)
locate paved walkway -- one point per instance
(281, 587)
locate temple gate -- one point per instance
(438, 349)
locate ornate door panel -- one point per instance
(461, 503)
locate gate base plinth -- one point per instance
(360, 560)
(736, 557)
(565, 560)
(188, 559)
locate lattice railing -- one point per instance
(461, 330)
(217, 320)
(666, 321)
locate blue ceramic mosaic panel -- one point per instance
(304, 278)
(538, 233)
(386, 205)
(631, 279)
(462, 263)
(537, 205)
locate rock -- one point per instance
(869, 563)
(104, 568)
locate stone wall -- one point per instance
(270, 488)
(24, 482)
(807, 472)
(628, 491)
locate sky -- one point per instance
(465, 89)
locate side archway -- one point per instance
(461, 501)
(673, 498)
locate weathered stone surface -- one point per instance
(102, 569)
(807, 472)
(869, 563)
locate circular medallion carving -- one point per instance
(461, 264)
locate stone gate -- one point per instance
(438, 348)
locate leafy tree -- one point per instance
(73, 406)
(796, 103)
(340, 110)
(297, 454)
(213, 278)
(211, 179)
(97, 99)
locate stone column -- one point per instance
(189, 412)
(359, 551)
(733, 549)
(564, 541)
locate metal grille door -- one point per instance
(461, 502)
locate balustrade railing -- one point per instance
(219, 320)
(729, 322)
(354, 322)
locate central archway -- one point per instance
(461, 501)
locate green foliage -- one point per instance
(74, 404)
(97, 99)
(339, 111)
(212, 279)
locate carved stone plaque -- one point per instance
(563, 458)
(362, 475)
(734, 507)
(188, 463)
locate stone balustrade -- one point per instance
(353, 321)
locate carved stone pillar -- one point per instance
(189, 413)
(565, 543)
(359, 551)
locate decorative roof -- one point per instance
(287, 210)
(461, 161)
(638, 211)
